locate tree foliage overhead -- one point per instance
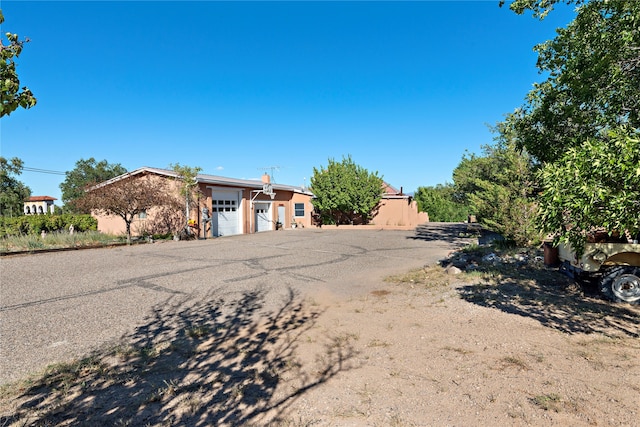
(345, 192)
(13, 193)
(127, 198)
(442, 202)
(593, 82)
(13, 96)
(87, 173)
(540, 8)
(594, 186)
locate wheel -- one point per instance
(622, 284)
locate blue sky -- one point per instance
(405, 88)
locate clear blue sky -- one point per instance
(233, 87)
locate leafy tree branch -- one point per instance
(11, 94)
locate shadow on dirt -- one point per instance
(556, 302)
(451, 232)
(196, 362)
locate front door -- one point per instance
(263, 217)
(281, 217)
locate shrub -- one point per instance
(35, 224)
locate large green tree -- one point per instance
(593, 186)
(442, 202)
(582, 122)
(11, 94)
(345, 192)
(593, 83)
(13, 192)
(86, 173)
(500, 187)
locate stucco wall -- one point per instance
(393, 213)
(400, 212)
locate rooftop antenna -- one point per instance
(272, 169)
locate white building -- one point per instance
(39, 205)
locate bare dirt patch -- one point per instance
(516, 345)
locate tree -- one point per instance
(582, 123)
(500, 187)
(12, 95)
(127, 198)
(189, 187)
(594, 186)
(442, 203)
(345, 192)
(14, 193)
(594, 78)
(87, 173)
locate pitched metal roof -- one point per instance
(207, 179)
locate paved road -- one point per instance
(57, 306)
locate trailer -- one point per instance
(616, 266)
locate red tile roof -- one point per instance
(41, 198)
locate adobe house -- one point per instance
(39, 205)
(232, 206)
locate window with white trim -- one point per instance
(299, 209)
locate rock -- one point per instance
(452, 269)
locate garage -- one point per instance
(263, 217)
(225, 213)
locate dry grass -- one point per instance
(426, 277)
(548, 402)
(515, 362)
(57, 241)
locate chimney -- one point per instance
(266, 179)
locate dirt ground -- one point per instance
(422, 349)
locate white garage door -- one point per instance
(263, 217)
(225, 213)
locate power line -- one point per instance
(50, 172)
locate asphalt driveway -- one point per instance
(57, 306)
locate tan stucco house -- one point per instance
(239, 206)
(234, 206)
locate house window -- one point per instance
(299, 209)
(142, 214)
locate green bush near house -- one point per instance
(36, 224)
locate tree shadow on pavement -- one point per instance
(196, 362)
(556, 302)
(450, 232)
